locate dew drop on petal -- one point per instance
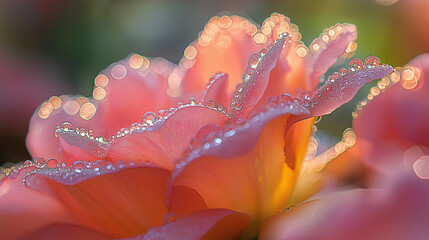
(170, 217)
(254, 60)
(343, 71)
(372, 61)
(149, 118)
(355, 64)
(192, 101)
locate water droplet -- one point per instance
(210, 103)
(237, 106)
(52, 163)
(149, 118)
(263, 52)
(245, 77)
(192, 101)
(254, 60)
(285, 98)
(372, 61)
(355, 64)
(343, 71)
(39, 162)
(170, 217)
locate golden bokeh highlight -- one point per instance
(45, 110)
(260, 38)
(118, 71)
(410, 77)
(87, 111)
(101, 80)
(55, 101)
(395, 77)
(316, 47)
(71, 107)
(351, 47)
(302, 51)
(225, 22)
(82, 100)
(136, 61)
(99, 93)
(190, 52)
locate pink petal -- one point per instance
(134, 87)
(250, 163)
(23, 210)
(65, 232)
(325, 50)
(117, 91)
(255, 80)
(162, 143)
(396, 211)
(216, 90)
(337, 91)
(223, 46)
(208, 224)
(395, 120)
(118, 200)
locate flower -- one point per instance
(199, 168)
(391, 129)
(396, 120)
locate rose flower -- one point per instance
(221, 154)
(392, 138)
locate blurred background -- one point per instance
(54, 47)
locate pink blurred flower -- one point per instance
(199, 168)
(392, 131)
(397, 119)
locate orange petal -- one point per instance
(216, 90)
(161, 142)
(396, 119)
(116, 93)
(395, 210)
(225, 45)
(23, 210)
(165, 144)
(207, 224)
(118, 200)
(325, 50)
(135, 86)
(243, 170)
(65, 232)
(255, 80)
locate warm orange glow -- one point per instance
(174, 80)
(316, 47)
(45, 110)
(410, 77)
(99, 93)
(81, 100)
(351, 47)
(136, 61)
(225, 22)
(55, 101)
(190, 52)
(395, 77)
(101, 80)
(260, 38)
(302, 51)
(325, 38)
(87, 111)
